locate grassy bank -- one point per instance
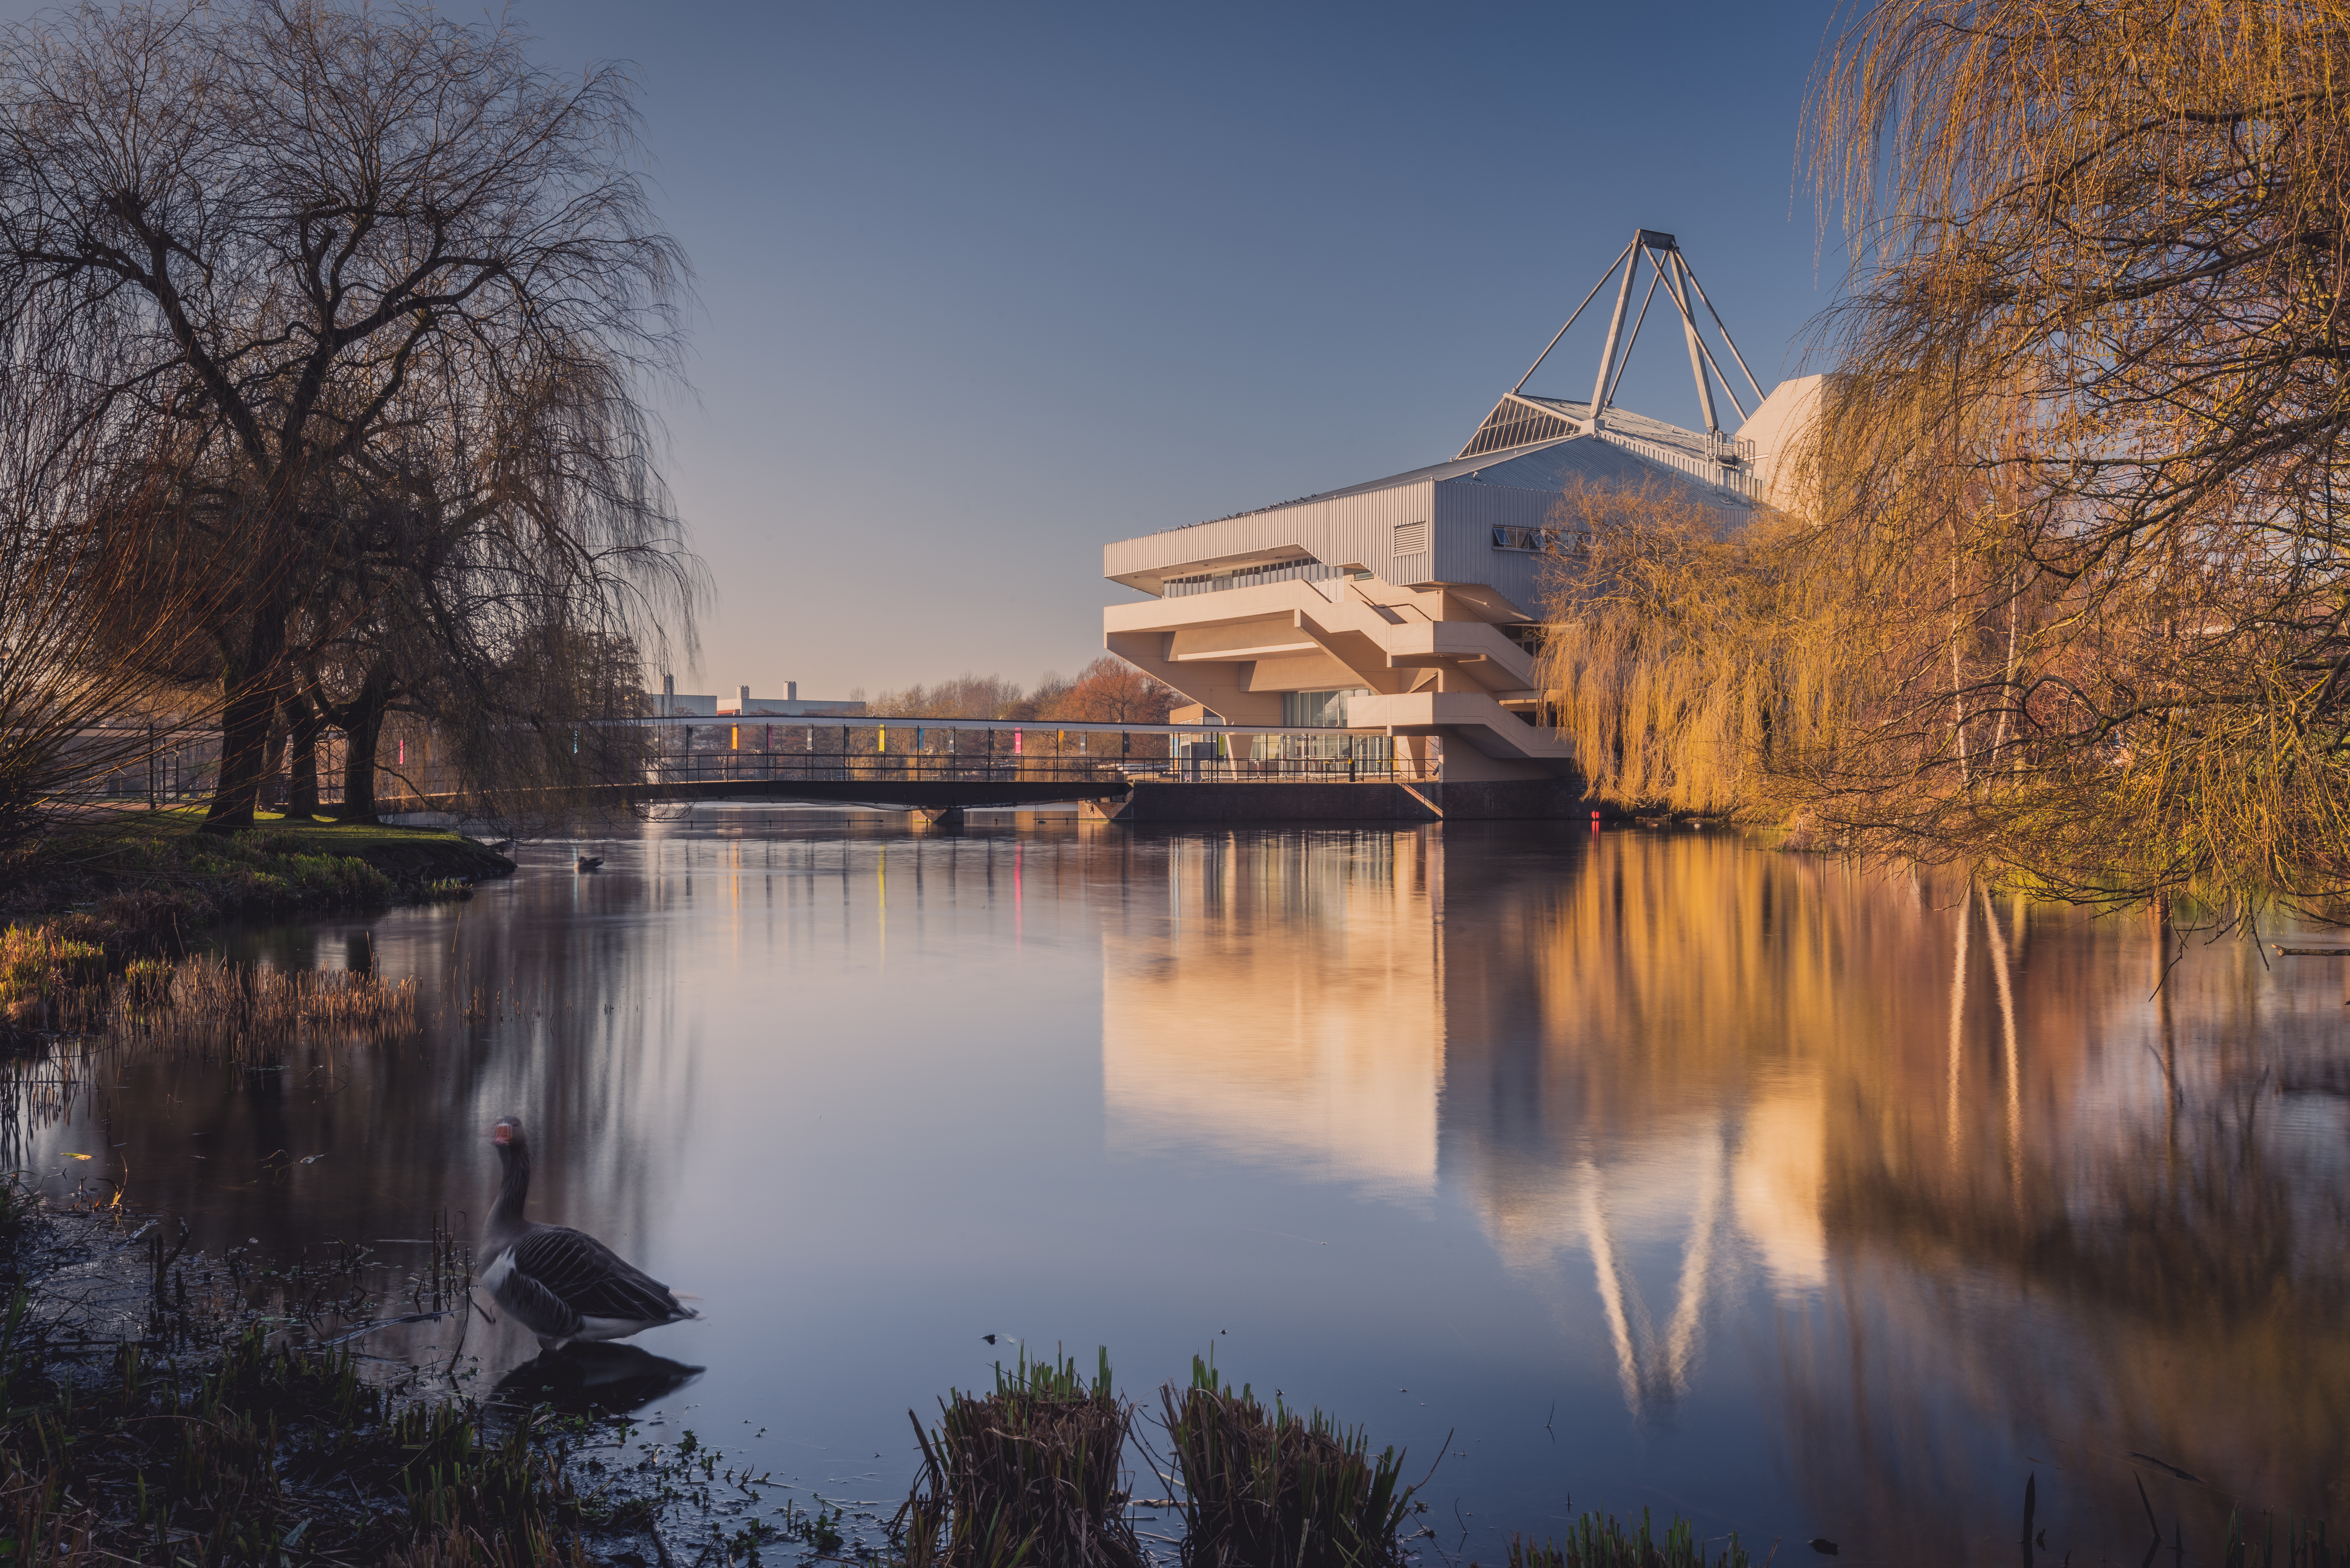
(280, 865)
(106, 894)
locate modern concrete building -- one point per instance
(670, 703)
(1409, 604)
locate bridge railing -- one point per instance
(884, 767)
(1281, 770)
(910, 767)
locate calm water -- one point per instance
(1660, 1171)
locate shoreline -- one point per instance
(226, 1411)
(97, 900)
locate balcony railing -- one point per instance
(1250, 577)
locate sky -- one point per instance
(979, 289)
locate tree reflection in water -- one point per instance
(1972, 1185)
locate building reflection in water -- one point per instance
(1951, 1180)
(1287, 1007)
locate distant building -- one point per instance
(1411, 605)
(790, 705)
(669, 702)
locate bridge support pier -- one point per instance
(940, 819)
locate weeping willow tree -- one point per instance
(103, 595)
(267, 230)
(2066, 593)
(1696, 663)
(519, 558)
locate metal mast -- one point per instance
(1671, 270)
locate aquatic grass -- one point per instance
(217, 1438)
(267, 1452)
(1270, 1489)
(2304, 1546)
(1598, 1541)
(1028, 1475)
(212, 1006)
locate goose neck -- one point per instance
(513, 1191)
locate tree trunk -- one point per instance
(305, 724)
(273, 755)
(361, 720)
(246, 718)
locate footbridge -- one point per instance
(936, 768)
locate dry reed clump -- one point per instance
(210, 1004)
(1026, 1475)
(1599, 1541)
(47, 979)
(1272, 1490)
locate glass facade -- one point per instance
(1321, 710)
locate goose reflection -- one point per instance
(595, 1380)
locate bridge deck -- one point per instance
(919, 783)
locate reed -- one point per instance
(1026, 1475)
(1598, 1541)
(45, 977)
(1273, 1490)
(211, 1006)
(2303, 1546)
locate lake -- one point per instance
(1657, 1169)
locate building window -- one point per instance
(1567, 541)
(1319, 709)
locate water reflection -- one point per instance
(596, 1379)
(1806, 1201)
(1288, 1010)
(1959, 1175)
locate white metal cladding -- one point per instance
(1341, 531)
(1466, 515)
(1462, 501)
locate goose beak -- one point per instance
(502, 1135)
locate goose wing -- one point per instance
(589, 1279)
(539, 1308)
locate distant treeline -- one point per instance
(1107, 691)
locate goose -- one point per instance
(560, 1284)
(589, 863)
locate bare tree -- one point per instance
(1109, 690)
(300, 255)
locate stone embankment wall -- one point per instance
(1261, 802)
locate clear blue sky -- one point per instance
(985, 288)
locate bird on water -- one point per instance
(560, 1284)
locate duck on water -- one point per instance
(562, 1284)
